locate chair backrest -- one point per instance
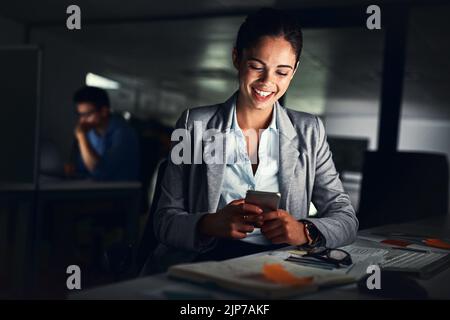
(402, 186)
(148, 241)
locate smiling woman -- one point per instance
(265, 71)
(267, 52)
(202, 213)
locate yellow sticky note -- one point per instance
(298, 252)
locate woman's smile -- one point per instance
(262, 95)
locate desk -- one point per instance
(143, 288)
(82, 190)
(96, 191)
(29, 240)
(15, 234)
(92, 190)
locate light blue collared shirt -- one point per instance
(239, 177)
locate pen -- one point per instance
(311, 260)
(310, 263)
(408, 249)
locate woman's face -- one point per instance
(265, 71)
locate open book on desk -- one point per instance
(245, 275)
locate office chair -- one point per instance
(154, 139)
(148, 241)
(118, 258)
(402, 186)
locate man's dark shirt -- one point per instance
(118, 150)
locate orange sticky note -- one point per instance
(437, 243)
(275, 272)
(395, 242)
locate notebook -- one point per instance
(244, 275)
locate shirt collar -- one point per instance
(272, 125)
(113, 122)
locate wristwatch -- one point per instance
(312, 233)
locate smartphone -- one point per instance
(267, 201)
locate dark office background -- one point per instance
(159, 57)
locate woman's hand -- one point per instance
(233, 221)
(280, 227)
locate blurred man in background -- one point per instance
(108, 148)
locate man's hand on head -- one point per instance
(88, 155)
(80, 130)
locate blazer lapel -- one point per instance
(220, 122)
(288, 154)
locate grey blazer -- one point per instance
(306, 174)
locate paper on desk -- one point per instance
(362, 253)
(244, 274)
(362, 257)
(378, 239)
